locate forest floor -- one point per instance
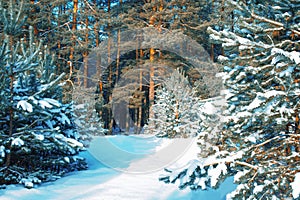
(123, 168)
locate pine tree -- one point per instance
(260, 141)
(175, 112)
(38, 140)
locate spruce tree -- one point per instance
(38, 141)
(260, 140)
(176, 108)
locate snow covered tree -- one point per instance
(260, 140)
(175, 108)
(38, 141)
(87, 112)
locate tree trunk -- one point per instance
(35, 29)
(75, 10)
(11, 109)
(110, 81)
(127, 119)
(151, 81)
(98, 61)
(108, 5)
(118, 54)
(96, 34)
(85, 55)
(222, 20)
(212, 52)
(59, 44)
(74, 27)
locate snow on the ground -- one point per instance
(123, 168)
(296, 186)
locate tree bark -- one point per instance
(85, 55)
(151, 81)
(74, 27)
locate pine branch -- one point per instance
(199, 27)
(50, 85)
(266, 142)
(263, 19)
(246, 164)
(89, 5)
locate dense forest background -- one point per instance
(71, 30)
(55, 93)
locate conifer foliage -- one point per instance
(179, 112)
(260, 139)
(37, 138)
(175, 108)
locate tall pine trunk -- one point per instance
(110, 76)
(152, 53)
(74, 27)
(85, 55)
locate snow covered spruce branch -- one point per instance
(38, 139)
(281, 25)
(258, 143)
(250, 174)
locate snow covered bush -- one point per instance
(38, 141)
(259, 143)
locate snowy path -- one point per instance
(139, 162)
